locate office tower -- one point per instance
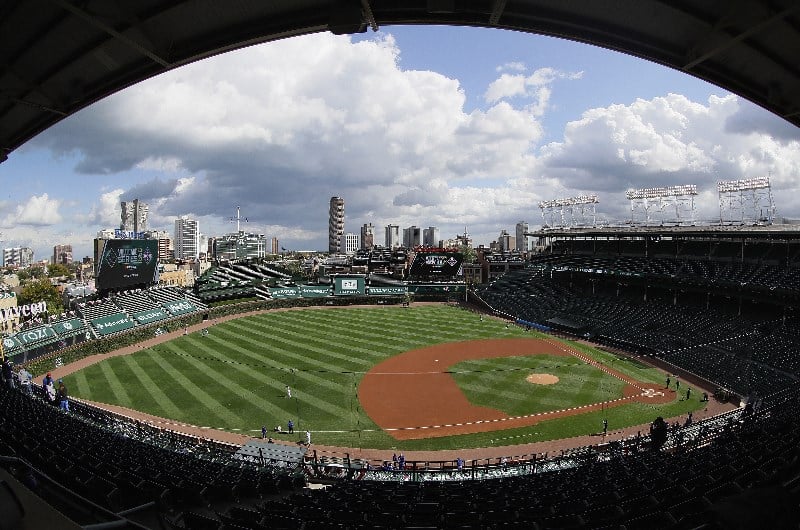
(335, 224)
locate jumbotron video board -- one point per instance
(436, 265)
(124, 262)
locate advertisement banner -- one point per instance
(284, 292)
(314, 291)
(388, 290)
(10, 344)
(180, 307)
(112, 323)
(36, 335)
(124, 262)
(349, 286)
(68, 328)
(436, 265)
(153, 315)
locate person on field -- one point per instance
(288, 392)
(290, 427)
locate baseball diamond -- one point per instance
(375, 385)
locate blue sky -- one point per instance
(431, 126)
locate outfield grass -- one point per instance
(235, 378)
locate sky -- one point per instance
(428, 126)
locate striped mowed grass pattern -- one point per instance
(235, 378)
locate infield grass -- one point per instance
(235, 378)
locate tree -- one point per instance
(469, 253)
(57, 270)
(37, 272)
(42, 291)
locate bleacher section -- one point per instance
(121, 465)
(689, 304)
(101, 318)
(741, 470)
(666, 308)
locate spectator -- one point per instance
(50, 392)
(61, 396)
(25, 379)
(8, 375)
(48, 379)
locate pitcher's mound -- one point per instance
(542, 379)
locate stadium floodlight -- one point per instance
(753, 183)
(655, 193)
(569, 201)
(570, 210)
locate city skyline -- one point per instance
(461, 126)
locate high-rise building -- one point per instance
(166, 250)
(430, 237)
(134, 216)
(350, 243)
(392, 239)
(335, 224)
(187, 239)
(367, 236)
(412, 236)
(17, 257)
(62, 254)
(506, 242)
(275, 246)
(522, 241)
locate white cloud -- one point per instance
(512, 66)
(278, 129)
(38, 210)
(533, 86)
(665, 141)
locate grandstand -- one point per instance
(702, 301)
(709, 307)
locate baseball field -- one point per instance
(426, 377)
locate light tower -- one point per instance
(735, 196)
(664, 199)
(572, 211)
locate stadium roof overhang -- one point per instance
(59, 56)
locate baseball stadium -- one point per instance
(629, 377)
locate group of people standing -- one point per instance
(55, 395)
